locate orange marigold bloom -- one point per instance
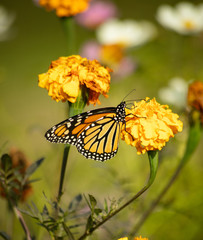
(112, 54)
(150, 125)
(67, 75)
(65, 8)
(136, 238)
(140, 238)
(195, 97)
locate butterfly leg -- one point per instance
(125, 123)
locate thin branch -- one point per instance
(156, 202)
(22, 222)
(87, 233)
(153, 161)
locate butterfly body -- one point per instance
(95, 133)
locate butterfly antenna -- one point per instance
(128, 94)
(133, 100)
(129, 105)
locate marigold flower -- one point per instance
(195, 97)
(149, 125)
(113, 56)
(67, 75)
(112, 53)
(136, 238)
(65, 8)
(140, 238)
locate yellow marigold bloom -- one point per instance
(140, 238)
(67, 75)
(65, 8)
(150, 125)
(136, 238)
(112, 54)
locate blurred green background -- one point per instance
(26, 112)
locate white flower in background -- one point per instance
(6, 20)
(176, 92)
(129, 33)
(185, 18)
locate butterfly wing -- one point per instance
(99, 140)
(95, 133)
(69, 130)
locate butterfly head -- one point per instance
(120, 112)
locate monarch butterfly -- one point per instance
(95, 133)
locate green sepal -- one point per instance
(153, 162)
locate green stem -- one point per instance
(68, 27)
(153, 161)
(68, 232)
(63, 170)
(192, 143)
(78, 106)
(69, 30)
(74, 108)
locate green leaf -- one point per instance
(45, 211)
(106, 208)
(75, 202)
(6, 162)
(15, 185)
(90, 223)
(5, 236)
(33, 180)
(32, 168)
(35, 209)
(93, 201)
(27, 213)
(97, 211)
(194, 136)
(154, 162)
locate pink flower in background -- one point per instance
(111, 55)
(126, 67)
(91, 50)
(97, 13)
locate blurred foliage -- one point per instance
(27, 112)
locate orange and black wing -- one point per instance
(95, 133)
(68, 131)
(99, 140)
